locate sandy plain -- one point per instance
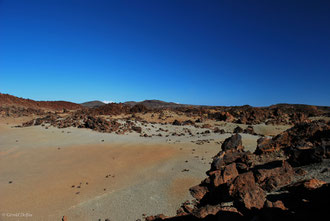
(87, 175)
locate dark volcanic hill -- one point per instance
(7, 100)
(92, 104)
(155, 104)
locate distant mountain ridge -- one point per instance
(91, 104)
(7, 100)
(155, 104)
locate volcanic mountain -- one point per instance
(7, 100)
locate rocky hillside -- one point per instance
(7, 100)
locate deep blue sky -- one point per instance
(197, 52)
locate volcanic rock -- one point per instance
(245, 191)
(238, 129)
(233, 142)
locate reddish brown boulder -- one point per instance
(313, 184)
(274, 175)
(245, 191)
(198, 191)
(265, 145)
(223, 175)
(277, 204)
(244, 160)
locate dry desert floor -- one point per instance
(87, 175)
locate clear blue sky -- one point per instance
(196, 52)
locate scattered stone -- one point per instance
(176, 123)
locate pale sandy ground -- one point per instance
(146, 174)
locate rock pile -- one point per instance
(85, 121)
(304, 143)
(260, 186)
(13, 111)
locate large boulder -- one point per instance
(198, 191)
(247, 192)
(233, 143)
(274, 175)
(242, 160)
(224, 175)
